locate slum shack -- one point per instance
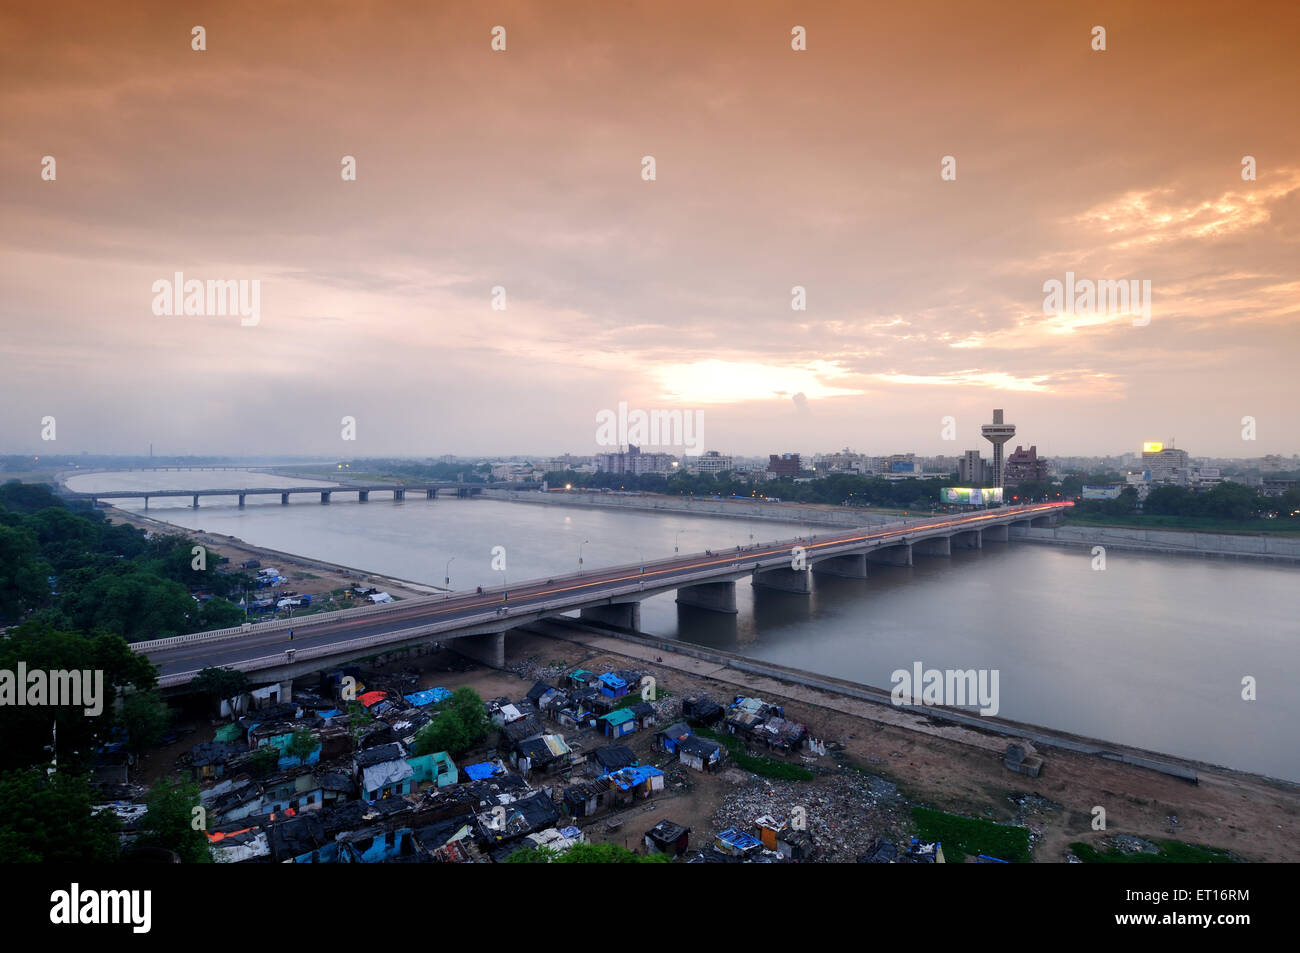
(701, 710)
(612, 758)
(669, 738)
(700, 754)
(667, 838)
(619, 722)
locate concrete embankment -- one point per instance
(989, 732)
(1217, 545)
(805, 513)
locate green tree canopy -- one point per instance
(170, 822)
(460, 724)
(49, 819)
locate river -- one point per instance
(1150, 652)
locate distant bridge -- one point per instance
(479, 619)
(362, 490)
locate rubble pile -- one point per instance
(534, 669)
(846, 812)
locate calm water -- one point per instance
(1150, 652)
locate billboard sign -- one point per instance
(968, 496)
(1152, 447)
(1100, 493)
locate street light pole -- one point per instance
(676, 537)
(446, 576)
(580, 545)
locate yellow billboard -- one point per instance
(1152, 447)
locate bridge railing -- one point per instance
(517, 615)
(307, 622)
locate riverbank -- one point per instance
(1284, 549)
(306, 576)
(944, 765)
(819, 514)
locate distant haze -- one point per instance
(523, 169)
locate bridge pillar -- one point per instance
(363, 496)
(431, 494)
(286, 690)
(1048, 520)
(284, 499)
(967, 539)
(399, 494)
(196, 501)
(896, 555)
(625, 615)
(324, 496)
(852, 566)
(714, 596)
(998, 534)
(784, 579)
(934, 546)
(241, 501)
(487, 649)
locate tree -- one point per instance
(170, 822)
(220, 684)
(302, 745)
(24, 576)
(358, 720)
(26, 729)
(459, 725)
(49, 819)
(264, 761)
(144, 717)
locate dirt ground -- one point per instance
(945, 767)
(305, 575)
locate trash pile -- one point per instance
(846, 813)
(533, 669)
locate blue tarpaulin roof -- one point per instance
(332, 713)
(428, 697)
(738, 839)
(632, 777)
(481, 771)
(613, 681)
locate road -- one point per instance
(573, 591)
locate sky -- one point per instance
(523, 170)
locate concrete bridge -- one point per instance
(478, 621)
(326, 492)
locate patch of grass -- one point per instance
(763, 767)
(1171, 852)
(969, 835)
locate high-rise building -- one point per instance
(997, 433)
(783, 465)
(971, 467)
(633, 462)
(1163, 463)
(1024, 466)
(712, 462)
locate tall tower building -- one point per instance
(997, 433)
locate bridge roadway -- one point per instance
(612, 595)
(363, 491)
